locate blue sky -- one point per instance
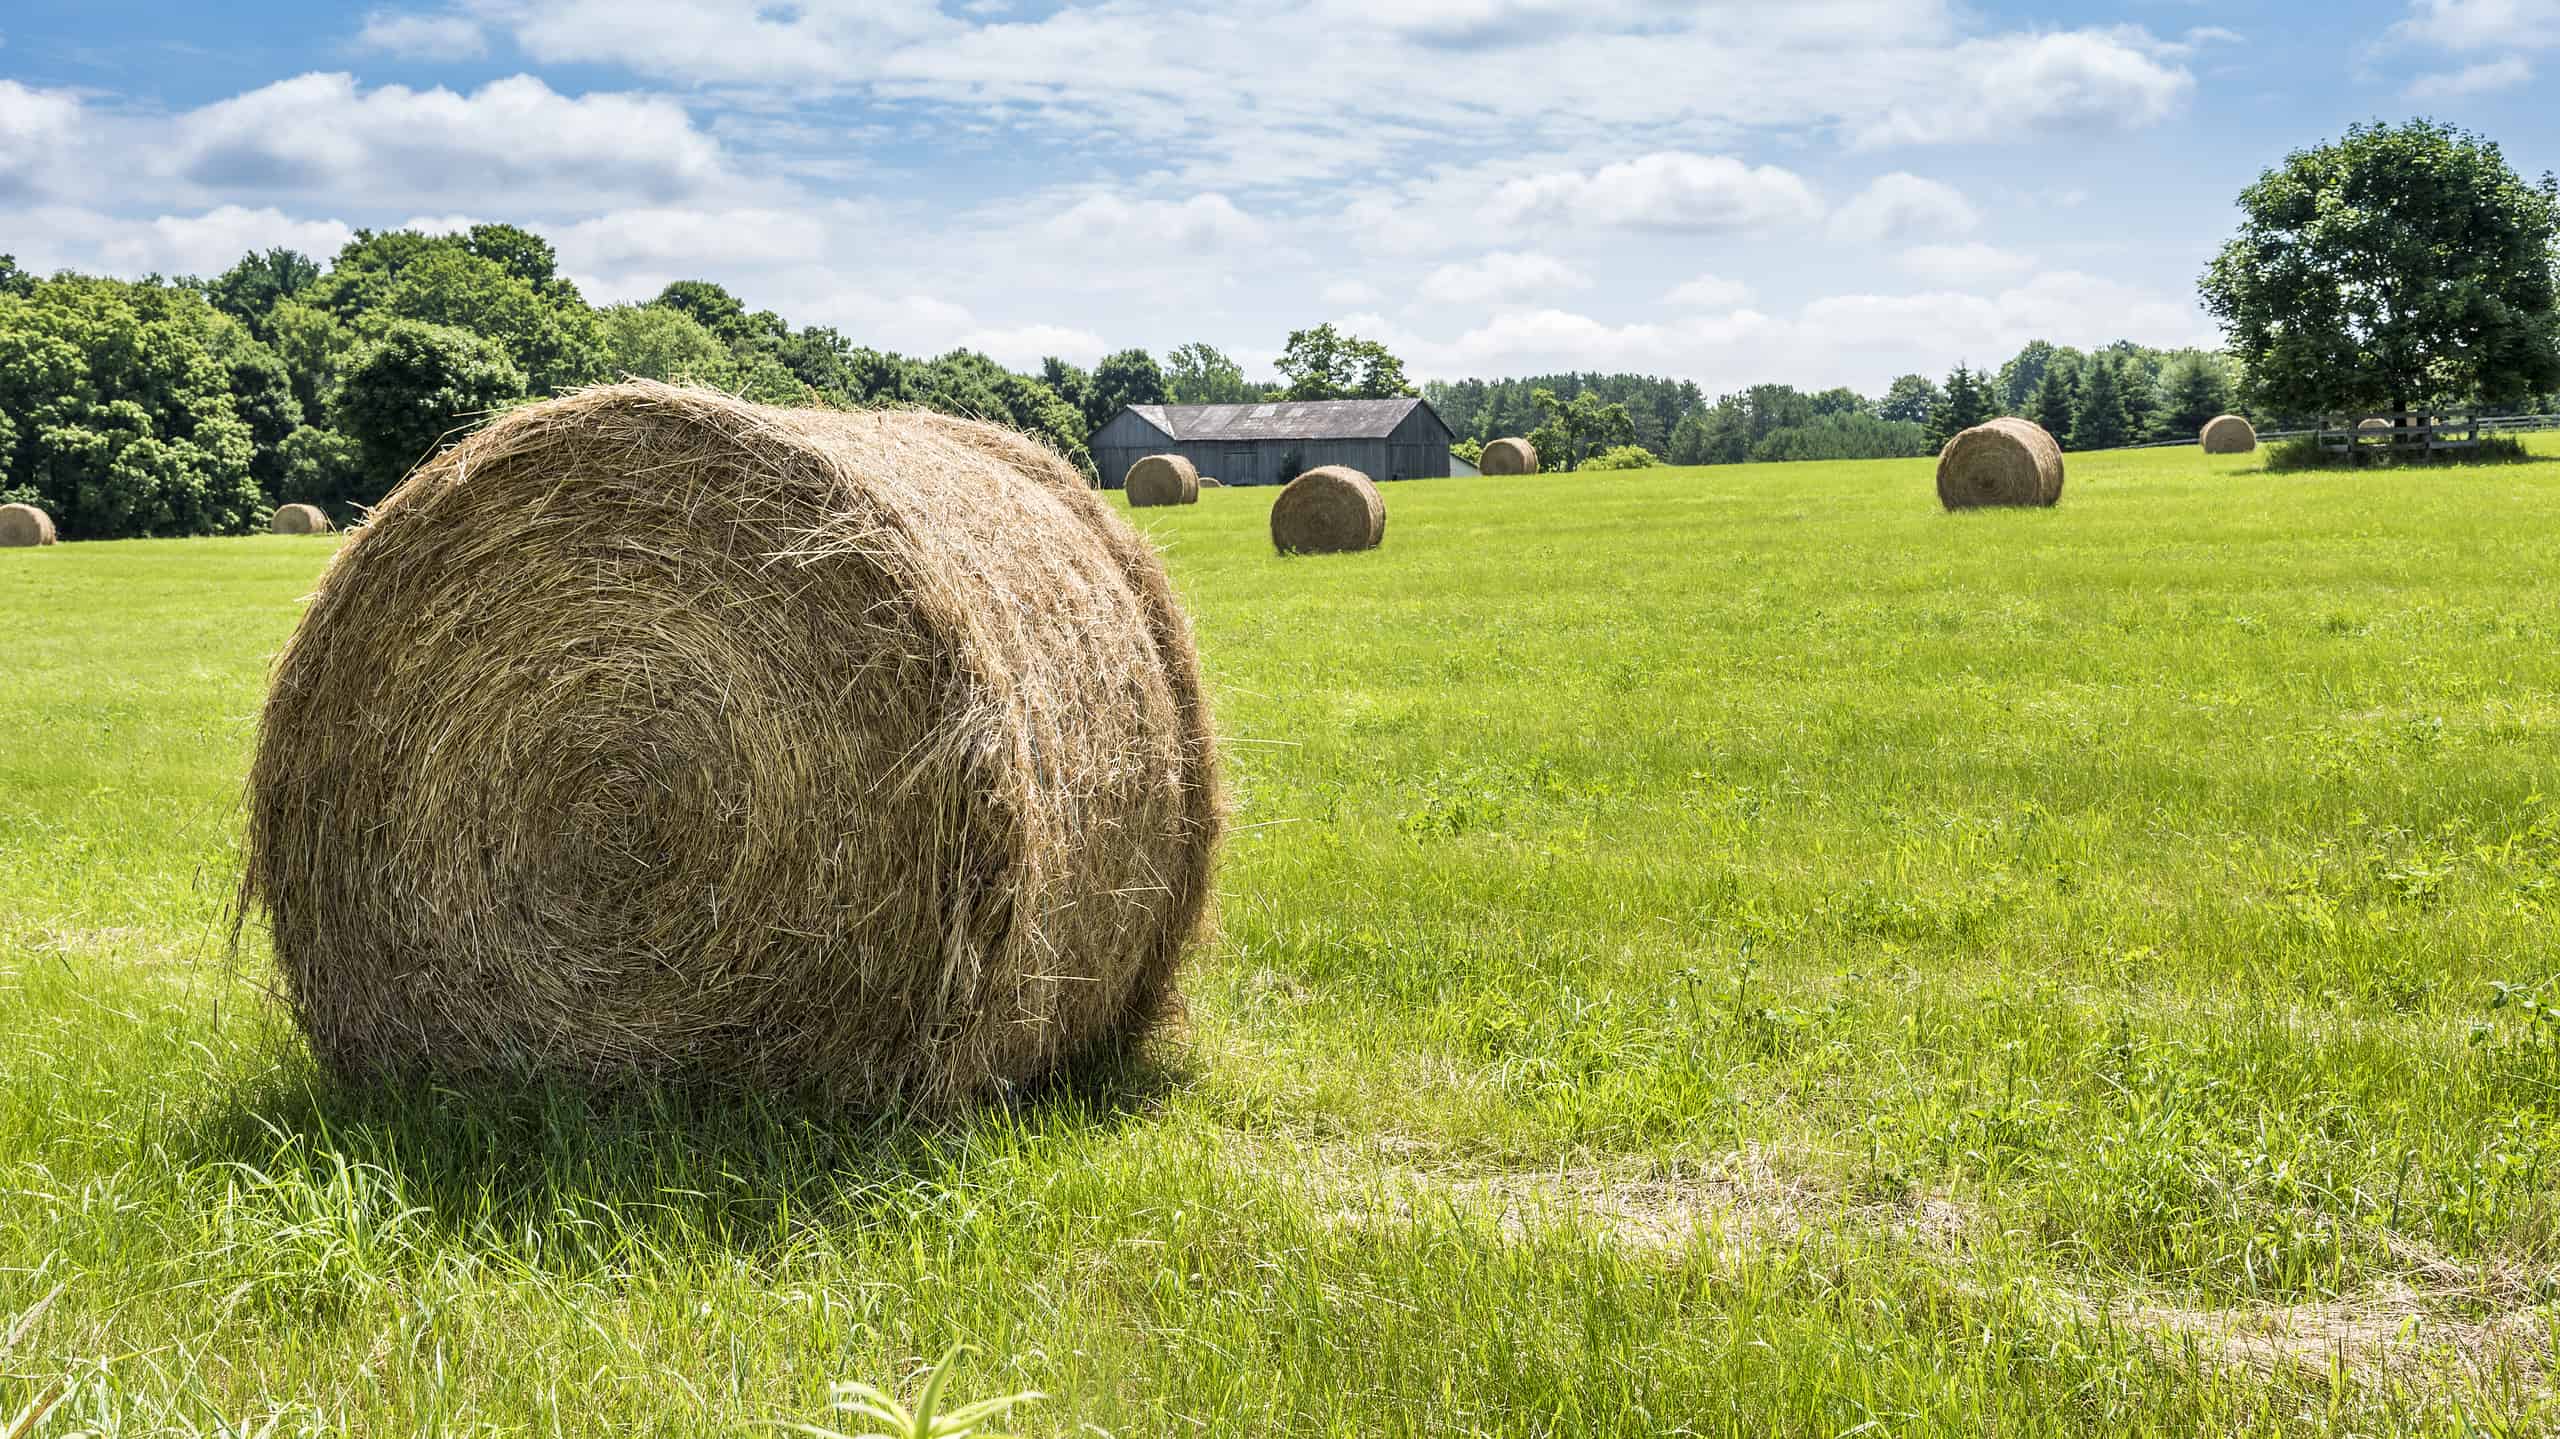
(1821, 191)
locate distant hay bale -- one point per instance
(2229, 435)
(2006, 462)
(2373, 424)
(1328, 510)
(25, 526)
(1162, 480)
(649, 735)
(1508, 457)
(1210, 482)
(300, 520)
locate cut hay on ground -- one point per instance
(1162, 480)
(1328, 510)
(2006, 462)
(1508, 457)
(300, 520)
(2229, 435)
(649, 734)
(24, 526)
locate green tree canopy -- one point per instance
(407, 391)
(1963, 405)
(1578, 428)
(2098, 421)
(1911, 398)
(1202, 374)
(116, 413)
(1325, 364)
(1130, 377)
(250, 290)
(2400, 267)
(660, 342)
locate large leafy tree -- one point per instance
(659, 342)
(1911, 398)
(2402, 266)
(1131, 377)
(551, 337)
(408, 391)
(1579, 427)
(1202, 374)
(1326, 364)
(116, 412)
(250, 290)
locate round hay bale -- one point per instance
(1328, 510)
(1162, 480)
(1508, 457)
(2229, 435)
(2372, 425)
(25, 526)
(649, 735)
(1210, 482)
(2008, 461)
(300, 520)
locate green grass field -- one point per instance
(1723, 951)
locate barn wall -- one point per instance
(1418, 449)
(1123, 442)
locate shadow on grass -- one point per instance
(692, 1167)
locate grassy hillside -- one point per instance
(1708, 951)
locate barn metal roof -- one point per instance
(1280, 419)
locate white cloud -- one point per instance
(2462, 25)
(2487, 77)
(1709, 292)
(1903, 206)
(35, 127)
(1022, 347)
(423, 37)
(514, 142)
(201, 244)
(1963, 264)
(1111, 224)
(819, 41)
(1667, 190)
(682, 237)
(2031, 87)
(1344, 294)
(1501, 277)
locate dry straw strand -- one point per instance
(1330, 509)
(1508, 457)
(2008, 461)
(25, 526)
(300, 520)
(652, 735)
(2229, 435)
(1162, 480)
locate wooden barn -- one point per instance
(1272, 444)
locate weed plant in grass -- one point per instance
(1718, 951)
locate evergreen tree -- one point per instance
(2100, 423)
(1964, 405)
(2192, 393)
(2056, 397)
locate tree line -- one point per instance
(195, 406)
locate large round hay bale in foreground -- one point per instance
(24, 526)
(2229, 435)
(1329, 510)
(1508, 457)
(649, 735)
(300, 520)
(2008, 461)
(1162, 480)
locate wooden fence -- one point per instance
(2367, 439)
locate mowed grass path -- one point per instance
(1710, 951)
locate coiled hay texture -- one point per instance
(1163, 480)
(1328, 510)
(2229, 435)
(649, 735)
(25, 526)
(300, 520)
(2008, 461)
(1508, 457)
